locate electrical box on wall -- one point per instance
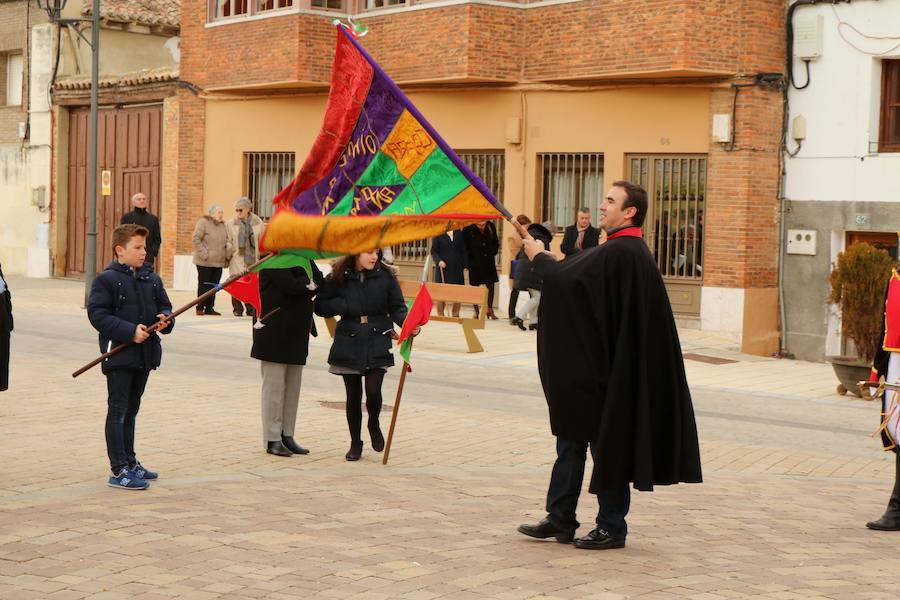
(801, 241)
(721, 128)
(808, 37)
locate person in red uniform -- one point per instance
(887, 365)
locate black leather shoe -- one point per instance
(376, 437)
(519, 323)
(599, 539)
(887, 522)
(293, 446)
(278, 449)
(546, 529)
(355, 451)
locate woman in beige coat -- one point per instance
(212, 251)
(244, 231)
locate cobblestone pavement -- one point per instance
(791, 476)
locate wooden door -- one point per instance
(129, 148)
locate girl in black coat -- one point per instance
(367, 298)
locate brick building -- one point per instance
(549, 101)
(24, 138)
(138, 82)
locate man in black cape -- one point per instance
(612, 371)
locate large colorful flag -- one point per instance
(378, 173)
(419, 312)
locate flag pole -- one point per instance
(406, 369)
(164, 322)
(390, 437)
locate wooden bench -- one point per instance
(450, 293)
(447, 293)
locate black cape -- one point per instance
(611, 366)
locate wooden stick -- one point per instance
(164, 322)
(390, 438)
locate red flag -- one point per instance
(246, 289)
(418, 314)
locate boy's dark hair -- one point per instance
(636, 197)
(123, 233)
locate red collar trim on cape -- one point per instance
(627, 232)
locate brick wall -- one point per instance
(594, 38)
(579, 40)
(741, 246)
(13, 40)
(189, 192)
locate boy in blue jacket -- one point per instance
(127, 298)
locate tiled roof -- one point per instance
(136, 78)
(144, 12)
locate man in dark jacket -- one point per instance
(611, 367)
(6, 326)
(281, 345)
(140, 216)
(125, 299)
(450, 263)
(580, 236)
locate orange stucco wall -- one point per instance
(615, 121)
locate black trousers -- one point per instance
(513, 300)
(353, 384)
(565, 486)
(4, 345)
(125, 388)
(4, 359)
(207, 279)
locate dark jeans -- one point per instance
(125, 387)
(238, 307)
(565, 486)
(207, 279)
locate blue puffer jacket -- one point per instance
(120, 299)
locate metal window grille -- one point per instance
(568, 182)
(490, 166)
(676, 189)
(267, 174)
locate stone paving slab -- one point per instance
(790, 479)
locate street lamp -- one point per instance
(54, 10)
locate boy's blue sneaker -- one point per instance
(127, 480)
(143, 473)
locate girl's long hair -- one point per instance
(348, 263)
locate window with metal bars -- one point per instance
(673, 228)
(568, 182)
(267, 174)
(490, 166)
